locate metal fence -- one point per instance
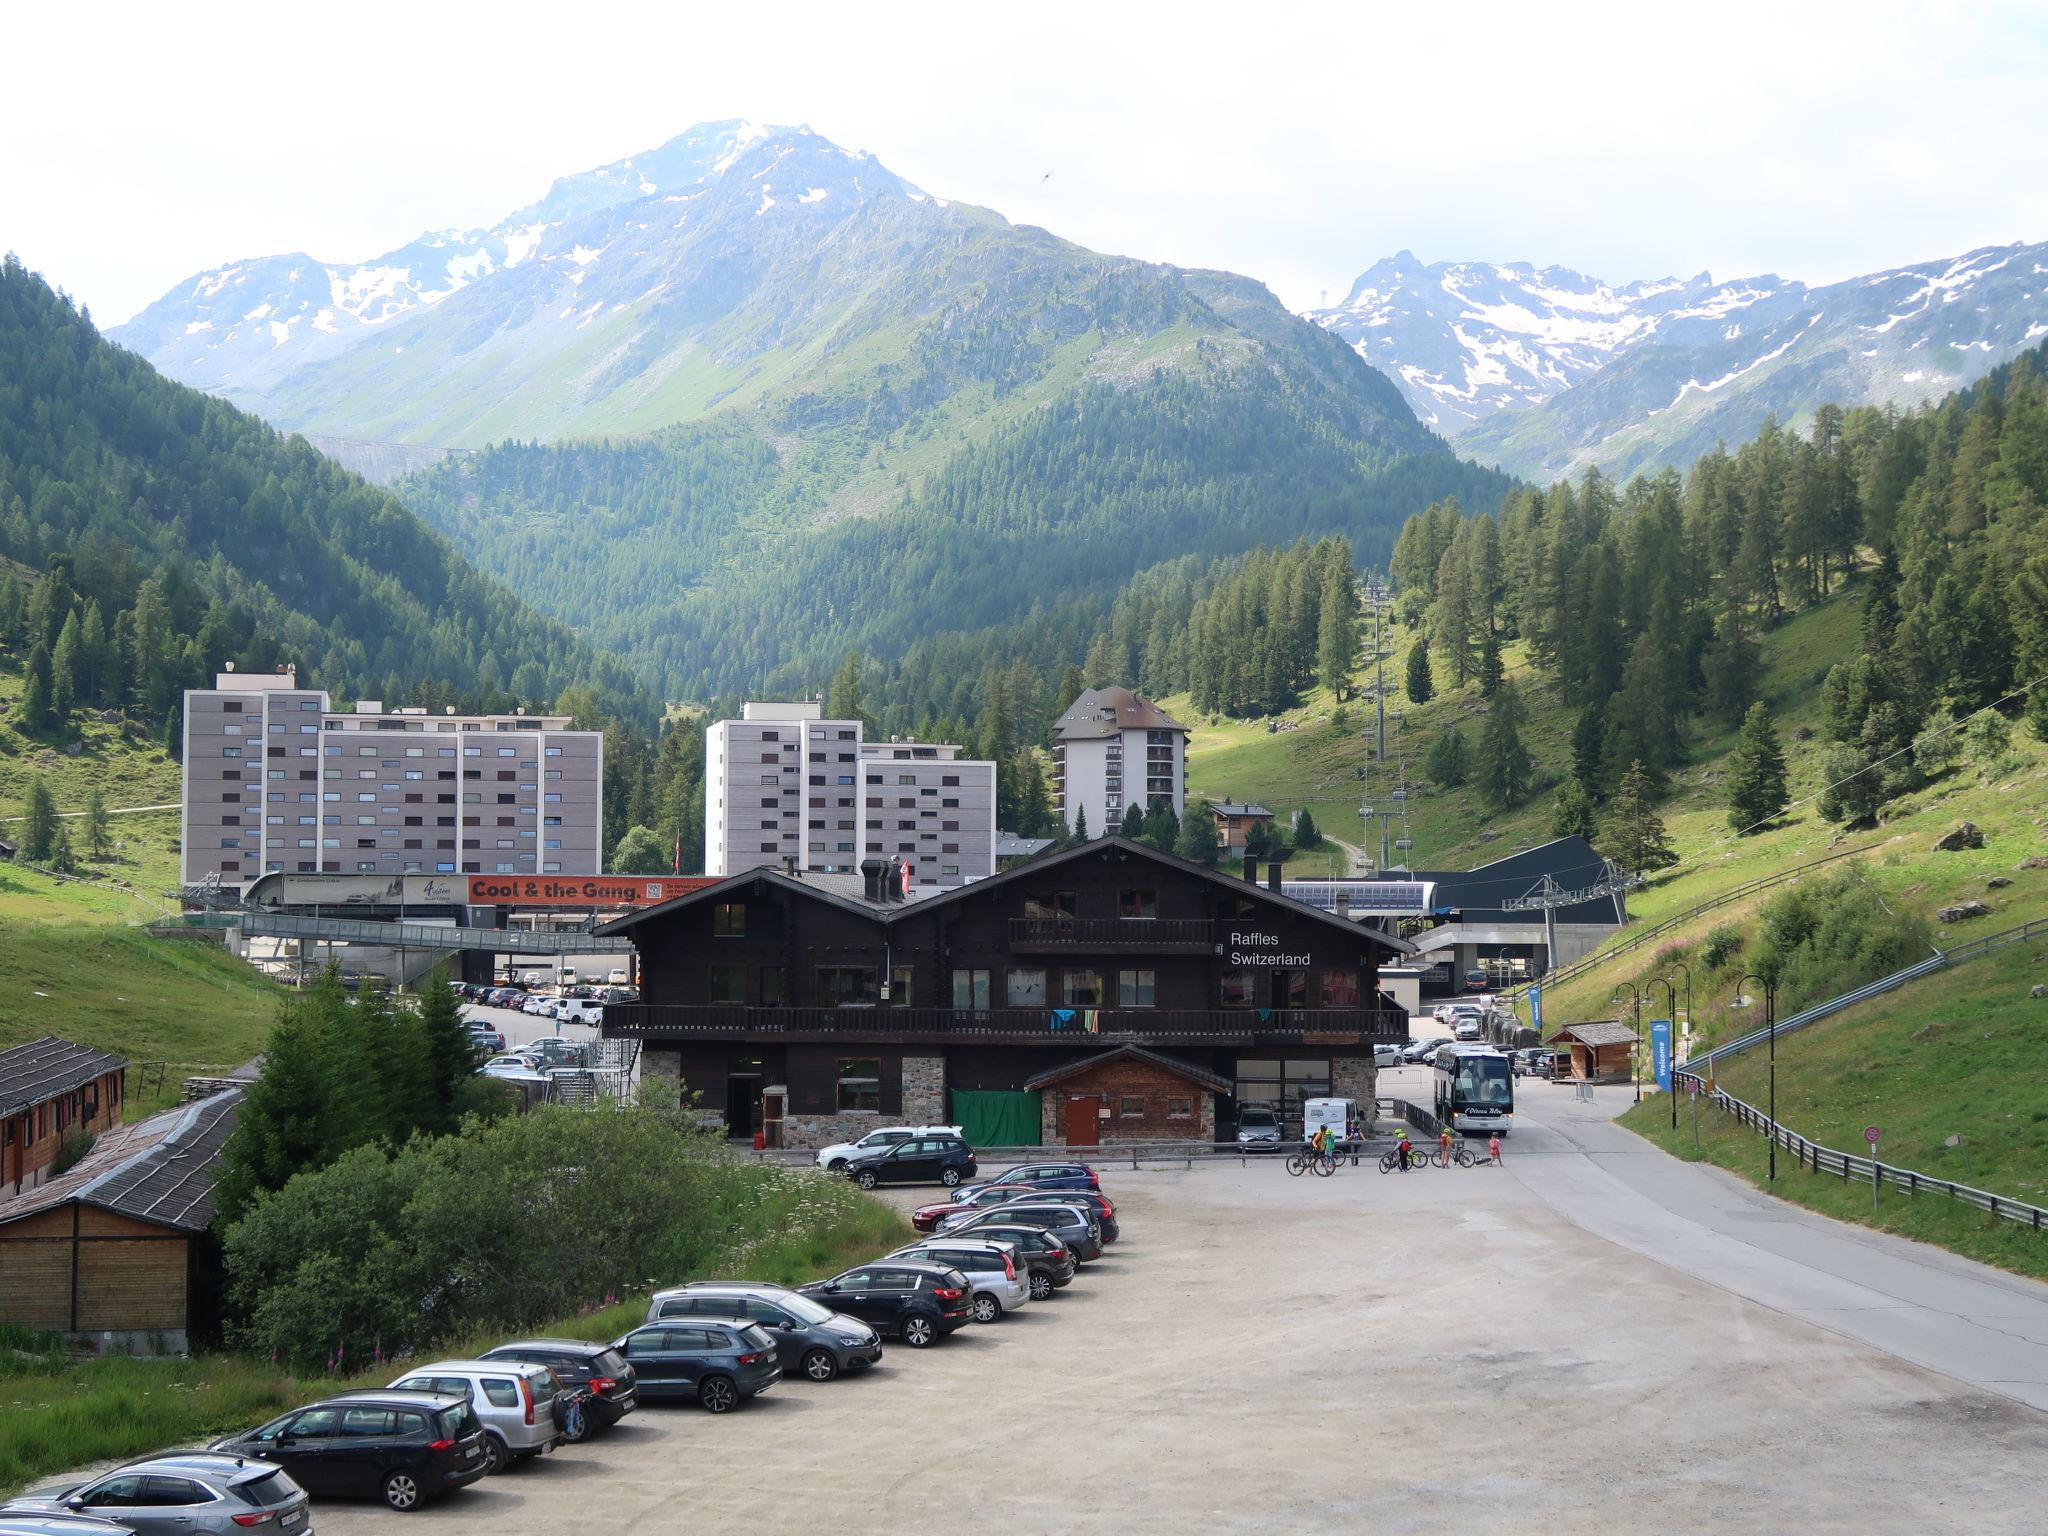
(1846, 1165)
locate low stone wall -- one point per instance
(827, 1130)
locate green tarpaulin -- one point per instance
(990, 1119)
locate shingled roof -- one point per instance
(161, 1170)
(36, 1073)
(1106, 711)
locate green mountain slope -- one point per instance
(239, 545)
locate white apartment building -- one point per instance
(786, 787)
(1113, 749)
(276, 779)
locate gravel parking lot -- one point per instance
(1434, 1351)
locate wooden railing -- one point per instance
(1250, 1026)
(1164, 935)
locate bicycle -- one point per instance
(1390, 1160)
(1306, 1160)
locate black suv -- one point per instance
(607, 1383)
(919, 1303)
(402, 1447)
(1071, 1224)
(944, 1160)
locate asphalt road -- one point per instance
(1442, 1350)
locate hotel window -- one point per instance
(860, 1085)
(552, 752)
(902, 978)
(1025, 987)
(230, 751)
(727, 983)
(847, 986)
(1180, 1109)
(1237, 989)
(1049, 904)
(771, 986)
(729, 920)
(1081, 988)
(508, 751)
(1297, 989)
(1135, 989)
(949, 869)
(970, 990)
(1340, 988)
(1137, 904)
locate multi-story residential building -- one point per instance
(926, 805)
(786, 788)
(1113, 749)
(278, 780)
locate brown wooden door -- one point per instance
(1084, 1123)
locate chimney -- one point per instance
(789, 865)
(1273, 870)
(1251, 868)
(874, 875)
(1344, 904)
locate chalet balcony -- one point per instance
(1009, 1026)
(1112, 935)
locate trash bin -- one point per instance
(760, 1141)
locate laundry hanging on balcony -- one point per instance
(1062, 1017)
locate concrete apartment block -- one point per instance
(277, 780)
(1113, 749)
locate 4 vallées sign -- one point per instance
(1252, 948)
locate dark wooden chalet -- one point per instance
(51, 1088)
(811, 1006)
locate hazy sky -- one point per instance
(1294, 143)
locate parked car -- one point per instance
(1532, 1062)
(31, 1523)
(402, 1447)
(1422, 1050)
(1095, 1200)
(720, 1364)
(1478, 978)
(944, 1160)
(1049, 1263)
(1468, 1029)
(1066, 1222)
(1258, 1128)
(515, 1065)
(809, 1337)
(196, 1492)
(917, 1303)
(839, 1154)
(1386, 1055)
(514, 1399)
(1051, 1176)
(487, 1038)
(997, 1284)
(580, 1010)
(598, 1371)
(559, 1051)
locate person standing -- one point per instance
(1493, 1146)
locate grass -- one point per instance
(1960, 1053)
(57, 1414)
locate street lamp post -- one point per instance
(1671, 997)
(1680, 965)
(1771, 1029)
(1635, 992)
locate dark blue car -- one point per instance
(1050, 1176)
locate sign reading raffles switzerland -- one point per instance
(1248, 947)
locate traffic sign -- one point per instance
(1871, 1134)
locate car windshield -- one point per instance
(1482, 1080)
(1256, 1117)
(803, 1309)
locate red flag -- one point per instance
(679, 855)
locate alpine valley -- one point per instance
(1545, 371)
(750, 401)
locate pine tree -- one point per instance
(1133, 826)
(62, 859)
(39, 826)
(1490, 669)
(846, 699)
(284, 1125)
(1449, 761)
(446, 1058)
(1634, 836)
(1337, 620)
(1756, 773)
(97, 834)
(38, 697)
(1733, 666)
(1589, 743)
(67, 665)
(1080, 834)
(13, 611)
(1306, 835)
(1573, 814)
(1504, 767)
(1197, 840)
(1421, 687)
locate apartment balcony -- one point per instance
(1009, 1026)
(1113, 935)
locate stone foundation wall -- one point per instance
(924, 1090)
(824, 1130)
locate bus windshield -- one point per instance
(1482, 1080)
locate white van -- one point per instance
(1338, 1116)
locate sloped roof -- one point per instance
(1201, 1076)
(1106, 711)
(1232, 808)
(37, 1072)
(1011, 846)
(1600, 1032)
(161, 1170)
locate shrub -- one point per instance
(1827, 936)
(1724, 942)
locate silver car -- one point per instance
(1258, 1127)
(197, 1494)
(58, 1525)
(1000, 1282)
(515, 1399)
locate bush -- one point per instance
(1724, 942)
(501, 1227)
(1828, 936)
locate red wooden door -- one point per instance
(1084, 1125)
